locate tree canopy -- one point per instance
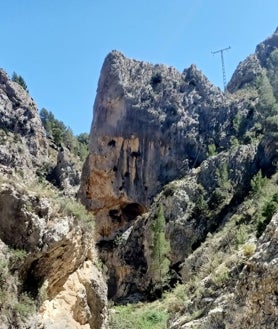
(19, 79)
(63, 135)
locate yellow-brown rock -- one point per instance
(81, 304)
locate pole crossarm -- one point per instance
(221, 51)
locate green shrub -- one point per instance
(268, 210)
(140, 316)
(74, 208)
(160, 248)
(211, 150)
(200, 206)
(221, 275)
(266, 105)
(222, 174)
(25, 306)
(258, 182)
(218, 198)
(241, 235)
(17, 257)
(234, 142)
(249, 249)
(237, 122)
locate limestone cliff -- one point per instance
(150, 126)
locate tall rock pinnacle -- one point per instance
(145, 133)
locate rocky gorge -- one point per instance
(180, 191)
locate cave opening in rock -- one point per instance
(131, 210)
(32, 281)
(112, 143)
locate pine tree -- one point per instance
(159, 267)
(258, 182)
(267, 103)
(61, 134)
(18, 79)
(272, 66)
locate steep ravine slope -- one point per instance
(49, 271)
(172, 159)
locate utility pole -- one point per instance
(221, 51)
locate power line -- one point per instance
(221, 51)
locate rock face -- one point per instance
(66, 174)
(80, 304)
(252, 67)
(60, 269)
(19, 121)
(246, 73)
(254, 304)
(247, 302)
(149, 127)
(192, 206)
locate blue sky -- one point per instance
(58, 46)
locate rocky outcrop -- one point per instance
(150, 127)
(48, 256)
(82, 302)
(66, 174)
(22, 137)
(252, 67)
(24, 146)
(254, 303)
(192, 207)
(245, 74)
(248, 298)
(60, 269)
(265, 48)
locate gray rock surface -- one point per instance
(251, 68)
(245, 73)
(249, 300)
(22, 138)
(66, 174)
